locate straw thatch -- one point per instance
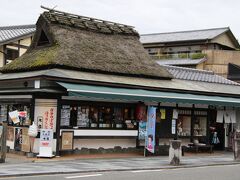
(75, 42)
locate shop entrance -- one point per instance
(216, 128)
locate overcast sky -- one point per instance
(148, 16)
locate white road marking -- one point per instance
(83, 176)
(140, 171)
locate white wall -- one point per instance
(105, 143)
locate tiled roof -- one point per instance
(205, 34)
(197, 75)
(180, 61)
(9, 33)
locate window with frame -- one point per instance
(98, 116)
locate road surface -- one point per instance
(223, 172)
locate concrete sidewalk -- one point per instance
(58, 165)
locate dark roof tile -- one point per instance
(8, 33)
(197, 75)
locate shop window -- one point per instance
(105, 117)
(82, 116)
(65, 115)
(184, 125)
(93, 117)
(88, 116)
(200, 126)
(118, 117)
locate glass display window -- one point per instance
(105, 117)
(200, 126)
(83, 116)
(116, 116)
(184, 125)
(93, 117)
(65, 115)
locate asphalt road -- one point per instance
(226, 172)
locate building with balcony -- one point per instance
(208, 49)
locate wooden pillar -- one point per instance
(192, 123)
(3, 143)
(58, 126)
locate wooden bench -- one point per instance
(196, 148)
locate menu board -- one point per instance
(65, 115)
(67, 140)
(82, 116)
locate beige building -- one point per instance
(14, 41)
(209, 49)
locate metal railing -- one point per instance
(178, 56)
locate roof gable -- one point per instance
(86, 49)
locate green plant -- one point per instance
(197, 56)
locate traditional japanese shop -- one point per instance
(87, 85)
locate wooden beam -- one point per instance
(18, 45)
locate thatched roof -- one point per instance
(70, 41)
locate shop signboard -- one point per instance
(174, 126)
(46, 143)
(67, 140)
(151, 126)
(46, 113)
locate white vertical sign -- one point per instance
(46, 143)
(45, 115)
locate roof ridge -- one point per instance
(85, 17)
(17, 26)
(174, 32)
(189, 69)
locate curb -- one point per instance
(118, 170)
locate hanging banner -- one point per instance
(151, 126)
(163, 113)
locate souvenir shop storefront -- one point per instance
(106, 117)
(87, 117)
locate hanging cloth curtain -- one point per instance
(227, 116)
(233, 116)
(220, 114)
